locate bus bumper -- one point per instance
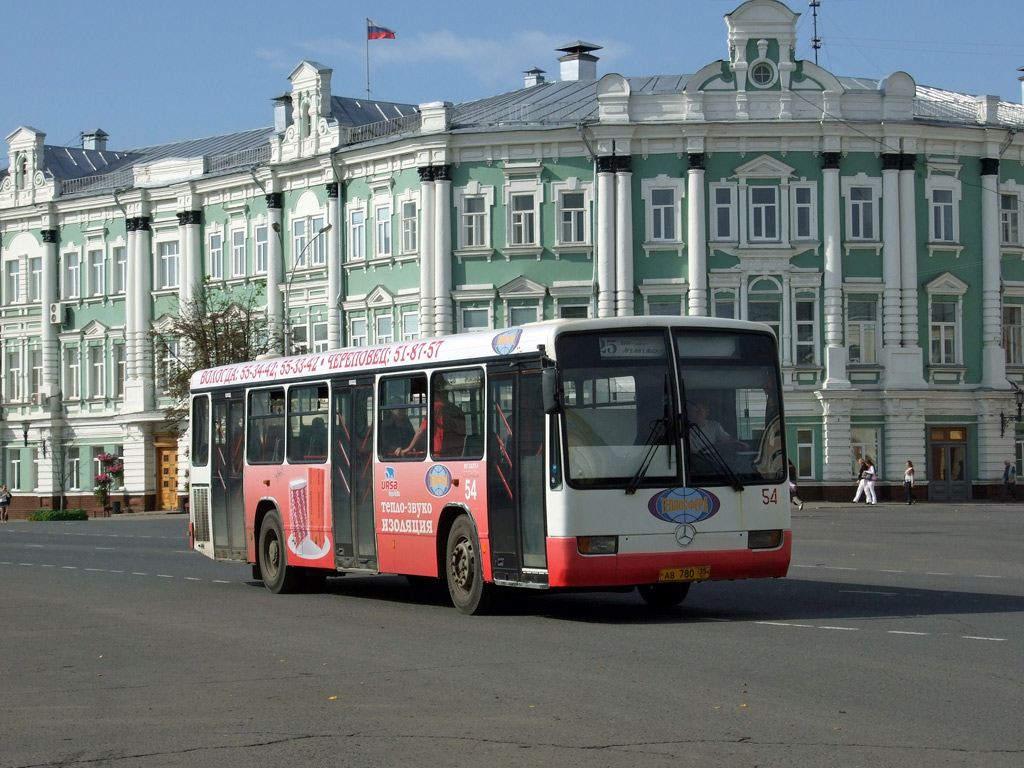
(568, 568)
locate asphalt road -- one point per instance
(896, 641)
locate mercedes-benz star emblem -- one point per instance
(685, 534)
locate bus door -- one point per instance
(227, 505)
(516, 476)
(352, 475)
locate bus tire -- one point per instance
(273, 556)
(663, 597)
(466, 587)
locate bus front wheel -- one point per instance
(277, 576)
(664, 596)
(469, 593)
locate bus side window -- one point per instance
(399, 415)
(266, 427)
(307, 424)
(456, 424)
(201, 430)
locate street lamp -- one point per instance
(288, 283)
(1018, 396)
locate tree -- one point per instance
(216, 327)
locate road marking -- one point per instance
(843, 629)
(992, 639)
(905, 632)
(936, 573)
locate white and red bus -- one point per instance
(642, 452)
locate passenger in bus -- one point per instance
(396, 431)
(449, 436)
(316, 445)
(709, 428)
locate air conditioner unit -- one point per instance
(37, 398)
(57, 314)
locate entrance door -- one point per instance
(516, 477)
(947, 467)
(352, 479)
(227, 505)
(167, 476)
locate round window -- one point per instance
(762, 74)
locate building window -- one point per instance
(944, 327)
(410, 227)
(74, 469)
(261, 249)
(864, 443)
(663, 215)
(474, 222)
(97, 371)
(72, 374)
(12, 281)
(806, 341)
(35, 279)
(167, 366)
(299, 240)
(384, 329)
(665, 308)
(410, 325)
(382, 221)
(764, 305)
(572, 218)
(168, 255)
(120, 269)
(14, 374)
(523, 218)
(215, 258)
(97, 268)
(358, 332)
(805, 454)
(72, 275)
(120, 369)
(1013, 333)
(723, 304)
(723, 212)
(520, 315)
(1009, 219)
(238, 253)
(762, 74)
(862, 213)
(14, 472)
(942, 216)
(862, 330)
(475, 319)
(357, 235)
(805, 216)
(35, 381)
(764, 213)
(574, 311)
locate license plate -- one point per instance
(697, 573)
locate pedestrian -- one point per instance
(5, 502)
(1009, 481)
(870, 475)
(908, 483)
(861, 480)
(794, 498)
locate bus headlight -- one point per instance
(597, 545)
(764, 539)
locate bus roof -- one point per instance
(531, 338)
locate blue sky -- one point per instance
(149, 73)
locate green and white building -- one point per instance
(875, 225)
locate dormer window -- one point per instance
(762, 74)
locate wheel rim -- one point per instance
(273, 555)
(462, 565)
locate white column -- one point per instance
(442, 251)
(605, 259)
(835, 353)
(130, 298)
(427, 200)
(993, 356)
(335, 267)
(275, 269)
(696, 238)
(624, 288)
(891, 270)
(908, 251)
(185, 263)
(144, 308)
(49, 335)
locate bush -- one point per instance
(57, 515)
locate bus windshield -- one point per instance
(626, 424)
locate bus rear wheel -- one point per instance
(663, 597)
(273, 555)
(466, 586)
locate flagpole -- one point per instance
(367, 59)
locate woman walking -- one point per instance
(908, 482)
(870, 475)
(861, 480)
(793, 497)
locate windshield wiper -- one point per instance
(707, 450)
(658, 427)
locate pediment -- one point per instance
(765, 167)
(380, 297)
(947, 283)
(95, 328)
(521, 287)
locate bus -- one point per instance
(642, 453)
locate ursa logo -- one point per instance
(506, 342)
(684, 505)
(439, 480)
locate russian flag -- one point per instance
(377, 32)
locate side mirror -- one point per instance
(550, 392)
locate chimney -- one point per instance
(534, 76)
(282, 112)
(96, 139)
(578, 63)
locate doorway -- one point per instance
(948, 472)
